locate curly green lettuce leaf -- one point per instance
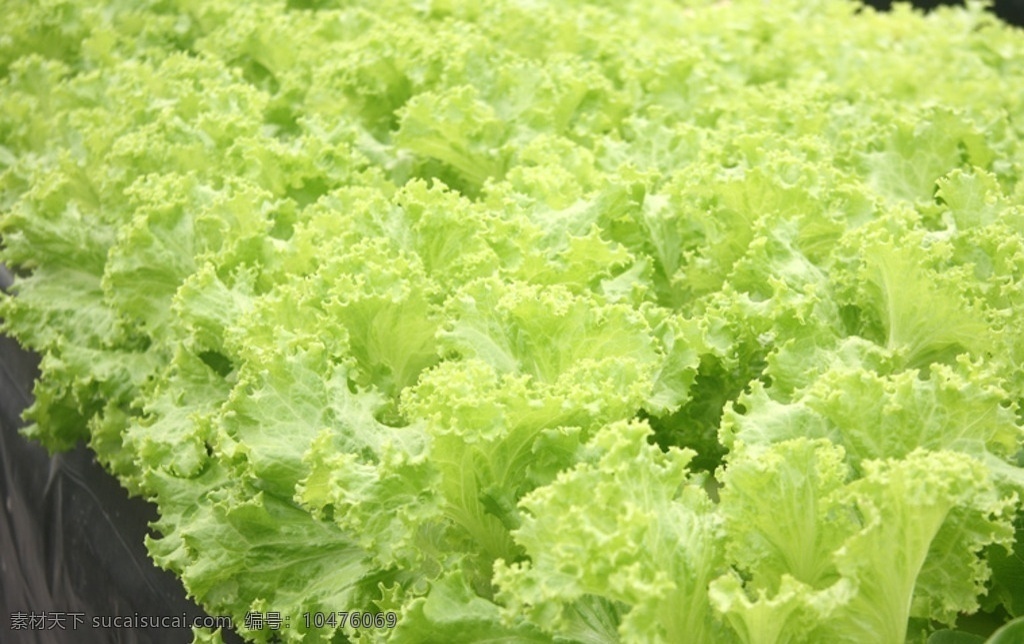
(238, 550)
(629, 525)
(869, 553)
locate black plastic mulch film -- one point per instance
(1012, 11)
(73, 566)
(72, 559)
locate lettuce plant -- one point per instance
(534, 321)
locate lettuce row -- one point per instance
(552, 321)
